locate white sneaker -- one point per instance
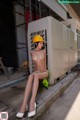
(30, 114)
(35, 105)
(20, 115)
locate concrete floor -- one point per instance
(67, 107)
(12, 96)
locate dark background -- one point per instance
(7, 34)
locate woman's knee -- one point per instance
(30, 76)
(36, 76)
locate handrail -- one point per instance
(11, 83)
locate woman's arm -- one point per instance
(31, 52)
(45, 55)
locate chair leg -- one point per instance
(4, 69)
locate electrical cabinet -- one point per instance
(78, 46)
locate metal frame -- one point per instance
(22, 4)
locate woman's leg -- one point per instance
(37, 77)
(27, 93)
(34, 92)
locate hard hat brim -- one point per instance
(40, 41)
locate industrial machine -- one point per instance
(78, 46)
(61, 46)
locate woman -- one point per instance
(39, 59)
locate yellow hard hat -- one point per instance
(37, 38)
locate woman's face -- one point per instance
(40, 45)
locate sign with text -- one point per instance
(68, 1)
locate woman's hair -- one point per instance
(36, 44)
